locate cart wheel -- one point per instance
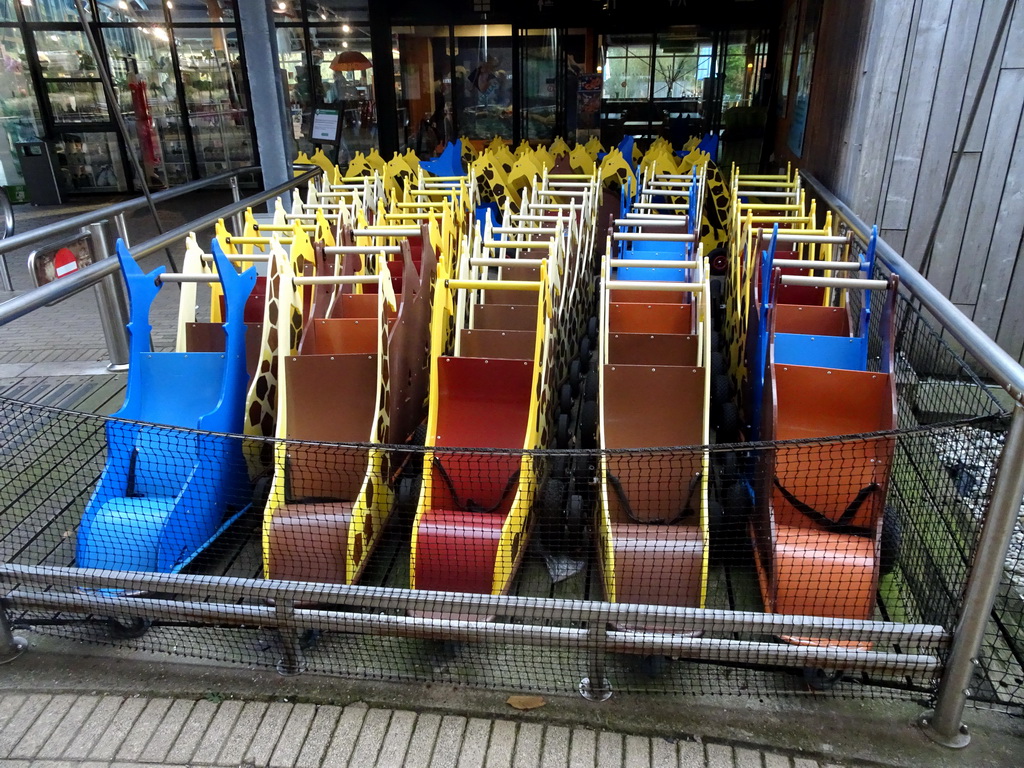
(558, 467)
(590, 386)
(584, 468)
(442, 651)
(562, 436)
(128, 629)
(574, 377)
(574, 514)
(565, 398)
(716, 519)
(261, 491)
(553, 499)
(725, 464)
(592, 330)
(737, 505)
(653, 666)
(309, 639)
(891, 542)
(818, 679)
(718, 366)
(407, 492)
(728, 423)
(584, 355)
(588, 424)
(721, 393)
(718, 259)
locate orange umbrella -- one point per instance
(349, 61)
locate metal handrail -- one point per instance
(82, 220)
(1006, 371)
(61, 289)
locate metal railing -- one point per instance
(945, 724)
(285, 604)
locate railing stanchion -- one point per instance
(112, 306)
(944, 724)
(236, 218)
(11, 646)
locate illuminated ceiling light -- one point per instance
(282, 6)
(123, 5)
(750, 66)
(344, 43)
(346, 28)
(27, 3)
(600, 69)
(161, 34)
(323, 16)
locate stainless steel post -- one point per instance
(112, 305)
(11, 646)
(122, 229)
(236, 219)
(292, 663)
(7, 211)
(944, 724)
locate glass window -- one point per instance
(51, 10)
(143, 73)
(65, 53)
(627, 68)
(423, 85)
(482, 88)
(298, 88)
(191, 12)
(117, 12)
(344, 72)
(90, 161)
(7, 12)
(214, 89)
(341, 11)
(19, 112)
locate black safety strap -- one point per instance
(624, 501)
(469, 505)
(842, 525)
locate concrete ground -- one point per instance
(68, 704)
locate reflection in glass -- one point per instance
(64, 53)
(482, 85)
(77, 101)
(214, 83)
(424, 90)
(143, 76)
(19, 114)
(90, 162)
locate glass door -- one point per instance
(550, 65)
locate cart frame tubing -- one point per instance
(945, 723)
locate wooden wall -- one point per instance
(904, 112)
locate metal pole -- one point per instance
(11, 646)
(7, 211)
(236, 195)
(292, 663)
(122, 229)
(111, 302)
(943, 724)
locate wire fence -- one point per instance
(878, 527)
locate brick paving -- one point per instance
(90, 731)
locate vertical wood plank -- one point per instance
(940, 133)
(897, 238)
(1013, 55)
(916, 114)
(993, 299)
(1004, 122)
(1011, 329)
(949, 238)
(990, 13)
(891, 33)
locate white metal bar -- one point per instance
(387, 232)
(642, 285)
(182, 277)
(336, 280)
(685, 238)
(496, 262)
(337, 250)
(809, 264)
(834, 282)
(794, 236)
(662, 222)
(668, 264)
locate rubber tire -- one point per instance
(565, 398)
(575, 522)
(592, 326)
(590, 386)
(726, 467)
(574, 377)
(728, 430)
(135, 628)
(588, 424)
(721, 393)
(552, 501)
(562, 434)
(891, 541)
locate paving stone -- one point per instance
(44, 725)
(747, 758)
(371, 737)
(68, 728)
(719, 755)
(345, 735)
(167, 732)
(448, 741)
(9, 706)
(664, 753)
(98, 721)
(271, 726)
(691, 753)
(609, 749)
(396, 740)
(777, 761)
(120, 726)
(474, 743)
(293, 736)
(242, 732)
(217, 733)
(502, 744)
(638, 751)
(421, 745)
(556, 746)
(142, 730)
(583, 749)
(529, 742)
(319, 736)
(192, 732)
(804, 762)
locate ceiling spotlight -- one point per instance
(346, 28)
(282, 6)
(123, 5)
(344, 43)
